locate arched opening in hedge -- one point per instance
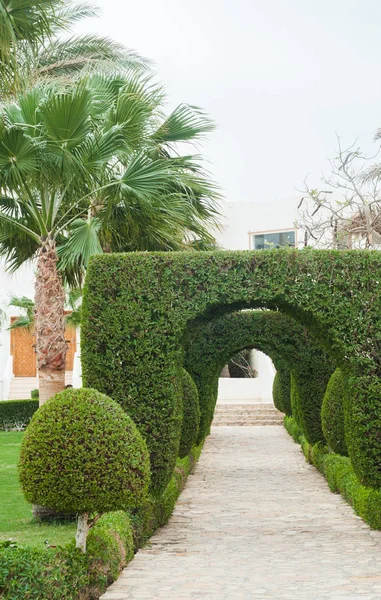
(210, 345)
(137, 309)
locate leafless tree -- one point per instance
(346, 212)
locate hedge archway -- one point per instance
(209, 346)
(137, 308)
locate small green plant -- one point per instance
(35, 394)
(82, 453)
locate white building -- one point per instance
(245, 226)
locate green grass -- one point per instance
(16, 520)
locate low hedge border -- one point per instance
(67, 574)
(340, 476)
(16, 414)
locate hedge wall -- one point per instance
(16, 413)
(208, 347)
(137, 308)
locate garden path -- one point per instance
(255, 521)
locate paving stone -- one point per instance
(255, 521)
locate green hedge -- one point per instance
(277, 394)
(191, 414)
(281, 388)
(295, 399)
(341, 478)
(332, 413)
(208, 346)
(68, 574)
(137, 308)
(16, 413)
(82, 453)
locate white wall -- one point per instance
(259, 389)
(240, 218)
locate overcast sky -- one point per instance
(279, 77)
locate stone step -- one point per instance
(21, 387)
(247, 414)
(245, 423)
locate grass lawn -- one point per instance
(16, 520)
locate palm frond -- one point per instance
(71, 55)
(186, 124)
(145, 178)
(25, 320)
(82, 242)
(18, 157)
(22, 322)
(66, 117)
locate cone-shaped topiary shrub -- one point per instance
(277, 393)
(332, 413)
(295, 399)
(82, 453)
(281, 391)
(191, 414)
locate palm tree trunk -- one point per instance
(49, 323)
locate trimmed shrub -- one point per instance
(281, 389)
(82, 453)
(293, 429)
(277, 393)
(35, 394)
(191, 414)
(340, 476)
(332, 413)
(295, 399)
(28, 573)
(110, 546)
(16, 413)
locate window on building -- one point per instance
(275, 239)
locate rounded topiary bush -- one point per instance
(191, 414)
(277, 393)
(295, 399)
(82, 453)
(281, 391)
(332, 413)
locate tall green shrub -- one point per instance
(332, 413)
(191, 414)
(282, 387)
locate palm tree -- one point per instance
(88, 168)
(32, 47)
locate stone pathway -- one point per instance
(256, 522)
